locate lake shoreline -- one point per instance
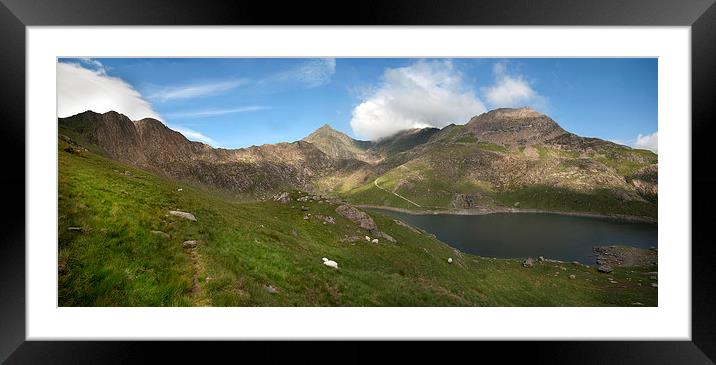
(485, 211)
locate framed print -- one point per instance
(423, 175)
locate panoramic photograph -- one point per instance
(357, 182)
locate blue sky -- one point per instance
(236, 103)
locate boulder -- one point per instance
(572, 276)
(605, 269)
(354, 215)
(184, 215)
(189, 244)
(271, 290)
(388, 237)
(529, 262)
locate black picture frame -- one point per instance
(16, 15)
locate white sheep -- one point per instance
(180, 189)
(367, 238)
(449, 260)
(330, 263)
(375, 240)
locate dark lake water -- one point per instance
(521, 235)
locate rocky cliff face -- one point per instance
(149, 144)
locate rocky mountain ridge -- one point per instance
(499, 158)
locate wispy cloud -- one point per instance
(511, 90)
(94, 64)
(193, 135)
(648, 142)
(312, 73)
(169, 93)
(214, 112)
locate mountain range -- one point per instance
(505, 159)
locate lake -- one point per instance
(521, 235)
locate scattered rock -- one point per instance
(304, 208)
(516, 205)
(367, 238)
(354, 215)
(605, 269)
(563, 268)
(294, 233)
(622, 256)
(541, 258)
(305, 217)
(271, 290)
(327, 219)
(180, 189)
(161, 234)
(184, 215)
(654, 285)
(637, 303)
(75, 229)
(388, 237)
(652, 277)
(572, 276)
(284, 197)
(449, 260)
(190, 244)
(529, 262)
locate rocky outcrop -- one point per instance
(361, 219)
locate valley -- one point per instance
(119, 246)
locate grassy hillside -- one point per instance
(544, 177)
(110, 256)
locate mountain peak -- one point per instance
(334, 143)
(515, 113)
(514, 126)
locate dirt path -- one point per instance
(375, 182)
(197, 293)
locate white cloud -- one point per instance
(511, 91)
(215, 112)
(424, 94)
(312, 73)
(648, 142)
(170, 93)
(80, 89)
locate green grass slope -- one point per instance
(115, 259)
